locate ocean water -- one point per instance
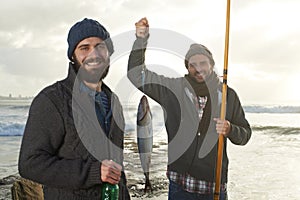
(266, 168)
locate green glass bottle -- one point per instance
(110, 191)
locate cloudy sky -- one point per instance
(264, 65)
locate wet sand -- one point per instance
(134, 172)
(136, 182)
(266, 168)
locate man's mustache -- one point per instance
(202, 73)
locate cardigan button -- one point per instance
(199, 134)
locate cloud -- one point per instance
(263, 36)
(29, 62)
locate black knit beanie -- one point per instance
(198, 49)
(85, 29)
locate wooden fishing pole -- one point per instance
(223, 108)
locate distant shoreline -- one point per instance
(15, 98)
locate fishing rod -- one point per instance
(223, 107)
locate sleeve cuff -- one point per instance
(140, 43)
(95, 174)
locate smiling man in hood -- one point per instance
(74, 135)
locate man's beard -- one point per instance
(87, 76)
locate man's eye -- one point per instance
(101, 46)
(204, 63)
(84, 48)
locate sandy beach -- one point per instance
(135, 174)
(9, 151)
(266, 168)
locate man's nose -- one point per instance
(198, 68)
(94, 53)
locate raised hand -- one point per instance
(142, 28)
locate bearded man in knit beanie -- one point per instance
(191, 110)
(73, 139)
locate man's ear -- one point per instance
(73, 58)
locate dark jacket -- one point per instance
(63, 142)
(192, 144)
